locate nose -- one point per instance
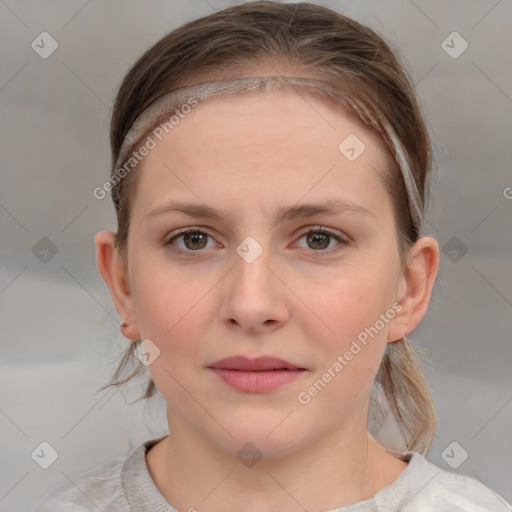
(255, 298)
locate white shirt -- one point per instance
(124, 485)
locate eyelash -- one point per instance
(320, 252)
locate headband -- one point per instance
(179, 98)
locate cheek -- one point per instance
(353, 346)
(164, 297)
(348, 360)
(167, 316)
(167, 310)
(349, 303)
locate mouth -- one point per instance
(258, 375)
(259, 364)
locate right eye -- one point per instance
(193, 240)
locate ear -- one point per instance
(415, 287)
(114, 271)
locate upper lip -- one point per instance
(254, 364)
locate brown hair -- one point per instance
(314, 39)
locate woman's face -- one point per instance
(256, 284)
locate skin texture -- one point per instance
(302, 301)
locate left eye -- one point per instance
(320, 239)
(195, 239)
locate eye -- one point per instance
(193, 239)
(319, 239)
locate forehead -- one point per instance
(257, 141)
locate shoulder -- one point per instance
(434, 489)
(98, 488)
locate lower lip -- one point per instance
(257, 382)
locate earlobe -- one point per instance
(115, 274)
(415, 287)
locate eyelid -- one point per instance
(319, 228)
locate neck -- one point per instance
(343, 467)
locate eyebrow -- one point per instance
(286, 213)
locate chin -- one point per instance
(270, 437)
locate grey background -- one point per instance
(59, 337)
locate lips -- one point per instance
(260, 364)
(260, 375)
